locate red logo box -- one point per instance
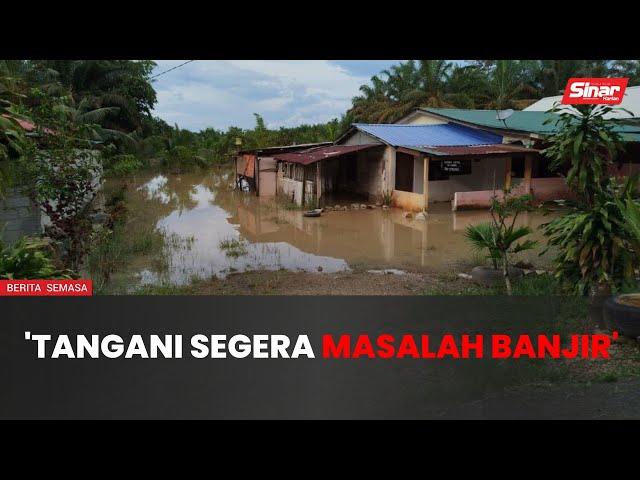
(46, 288)
(594, 91)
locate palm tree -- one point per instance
(511, 85)
(467, 86)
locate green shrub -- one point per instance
(29, 258)
(597, 248)
(122, 165)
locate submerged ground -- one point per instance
(194, 226)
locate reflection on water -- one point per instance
(212, 230)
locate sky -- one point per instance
(224, 93)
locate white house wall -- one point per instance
(480, 178)
(421, 118)
(360, 138)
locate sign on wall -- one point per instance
(456, 167)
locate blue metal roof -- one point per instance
(444, 135)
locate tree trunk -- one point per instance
(505, 272)
(597, 295)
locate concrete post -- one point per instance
(528, 166)
(390, 155)
(507, 173)
(425, 183)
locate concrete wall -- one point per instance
(484, 173)
(267, 177)
(371, 167)
(408, 200)
(292, 189)
(420, 118)
(546, 189)
(480, 178)
(360, 138)
(542, 189)
(418, 174)
(19, 216)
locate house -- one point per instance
(256, 168)
(460, 156)
(371, 163)
(532, 128)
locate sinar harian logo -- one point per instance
(594, 91)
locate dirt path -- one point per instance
(301, 283)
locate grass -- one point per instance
(113, 249)
(234, 248)
(528, 285)
(167, 289)
(287, 204)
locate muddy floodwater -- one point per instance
(208, 229)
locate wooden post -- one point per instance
(528, 164)
(256, 175)
(425, 183)
(507, 174)
(318, 184)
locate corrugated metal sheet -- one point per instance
(630, 102)
(313, 155)
(522, 121)
(429, 135)
(479, 150)
(529, 122)
(282, 148)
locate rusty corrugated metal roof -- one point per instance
(282, 148)
(313, 155)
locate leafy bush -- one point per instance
(183, 158)
(122, 165)
(29, 258)
(586, 144)
(596, 245)
(597, 250)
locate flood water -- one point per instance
(212, 230)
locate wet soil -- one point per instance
(284, 282)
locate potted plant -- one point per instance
(501, 239)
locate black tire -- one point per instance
(625, 319)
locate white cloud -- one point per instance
(222, 93)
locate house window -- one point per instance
(292, 171)
(517, 166)
(436, 172)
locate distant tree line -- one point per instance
(113, 101)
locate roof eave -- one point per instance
(354, 127)
(496, 130)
